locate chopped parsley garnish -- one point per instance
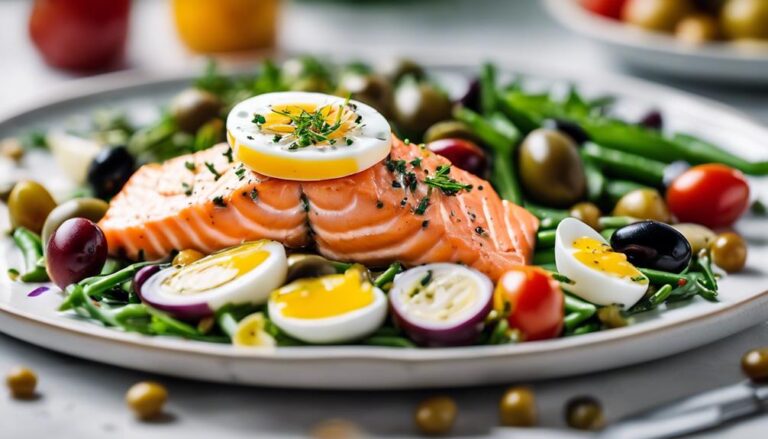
(312, 128)
(416, 163)
(213, 171)
(442, 180)
(396, 184)
(480, 231)
(254, 194)
(258, 119)
(228, 154)
(404, 201)
(219, 201)
(637, 278)
(190, 165)
(422, 207)
(379, 204)
(426, 279)
(187, 188)
(240, 172)
(424, 224)
(277, 138)
(348, 141)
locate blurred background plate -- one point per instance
(741, 63)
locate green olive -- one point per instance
(754, 364)
(396, 69)
(373, 90)
(192, 108)
(551, 170)
(745, 19)
(89, 208)
(146, 399)
(700, 237)
(517, 408)
(301, 266)
(186, 257)
(29, 205)
(697, 28)
(645, 204)
(659, 15)
(450, 129)
(588, 213)
(436, 415)
(611, 316)
(21, 382)
(419, 105)
(584, 413)
(729, 252)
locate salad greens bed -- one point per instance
(614, 159)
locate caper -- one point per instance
(193, 107)
(418, 106)
(643, 204)
(88, 208)
(29, 205)
(396, 69)
(551, 170)
(660, 15)
(517, 408)
(611, 316)
(21, 382)
(146, 399)
(588, 213)
(700, 237)
(584, 413)
(373, 90)
(449, 129)
(436, 415)
(301, 266)
(186, 257)
(754, 364)
(697, 28)
(11, 149)
(745, 19)
(729, 252)
(336, 429)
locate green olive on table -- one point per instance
(754, 364)
(587, 213)
(21, 382)
(517, 408)
(729, 252)
(192, 108)
(551, 171)
(373, 90)
(450, 129)
(146, 399)
(700, 237)
(584, 413)
(29, 205)
(697, 28)
(645, 204)
(396, 69)
(659, 15)
(419, 105)
(88, 208)
(745, 19)
(436, 415)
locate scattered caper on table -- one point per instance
(435, 416)
(584, 413)
(754, 364)
(21, 382)
(517, 408)
(146, 399)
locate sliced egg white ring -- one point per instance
(591, 284)
(199, 289)
(365, 140)
(352, 325)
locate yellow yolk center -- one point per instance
(326, 296)
(279, 120)
(599, 256)
(217, 269)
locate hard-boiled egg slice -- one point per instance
(307, 136)
(246, 273)
(329, 309)
(600, 275)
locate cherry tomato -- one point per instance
(80, 34)
(535, 300)
(712, 195)
(606, 8)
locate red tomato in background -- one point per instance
(80, 34)
(535, 299)
(606, 8)
(712, 195)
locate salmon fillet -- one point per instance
(384, 214)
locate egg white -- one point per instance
(592, 285)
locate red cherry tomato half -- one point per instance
(606, 8)
(712, 195)
(462, 154)
(535, 300)
(80, 34)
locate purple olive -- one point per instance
(462, 154)
(471, 97)
(570, 129)
(76, 250)
(653, 120)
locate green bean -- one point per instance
(545, 239)
(614, 222)
(488, 89)
(500, 143)
(545, 256)
(615, 189)
(657, 277)
(595, 179)
(544, 213)
(586, 329)
(227, 322)
(607, 233)
(704, 263)
(32, 250)
(387, 276)
(563, 279)
(551, 267)
(110, 266)
(505, 180)
(661, 295)
(389, 341)
(626, 165)
(697, 151)
(577, 311)
(499, 334)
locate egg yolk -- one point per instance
(599, 256)
(217, 269)
(329, 122)
(325, 296)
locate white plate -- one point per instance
(744, 297)
(734, 62)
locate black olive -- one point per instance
(471, 98)
(674, 170)
(651, 244)
(570, 129)
(653, 120)
(109, 171)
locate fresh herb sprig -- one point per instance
(443, 181)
